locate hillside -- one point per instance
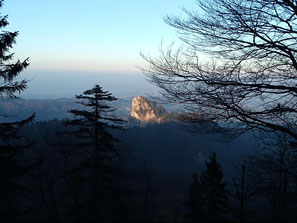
(48, 109)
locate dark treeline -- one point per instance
(165, 174)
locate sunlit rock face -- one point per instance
(147, 111)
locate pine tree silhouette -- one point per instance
(195, 200)
(207, 196)
(95, 146)
(11, 168)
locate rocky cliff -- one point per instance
(147, 111)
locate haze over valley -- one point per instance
(66, 84)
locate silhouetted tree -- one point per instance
(207, 197)
(273, 174)
(237, 65)
(96, 154)
(244, 194)
(195, 200)
(11, 168)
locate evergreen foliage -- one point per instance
(11, 168)
(95, 154)
(207, 196)
(195, 199)
(9, 71)
(93, 125)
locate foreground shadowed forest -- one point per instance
(165, 174)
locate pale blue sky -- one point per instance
(92, 35)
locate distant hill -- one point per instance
(48, 109)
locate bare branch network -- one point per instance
(250, 80)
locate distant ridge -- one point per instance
(48, 109)
(137, 110)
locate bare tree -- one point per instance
(272, 171)
(249, 79)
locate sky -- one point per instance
(89, 35)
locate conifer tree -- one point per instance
(195, 200)
(11, 169)
(207, 196)
(95, 145)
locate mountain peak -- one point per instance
(145, 110)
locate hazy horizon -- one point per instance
(99, 41)
(66, 84)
